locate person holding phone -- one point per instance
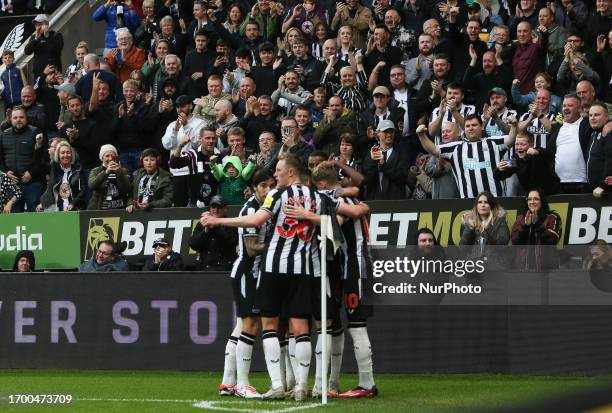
(109, 182)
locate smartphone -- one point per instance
(286, 131)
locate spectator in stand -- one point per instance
(540, 227)
(153, 69)
(116, 14)
(534, 165)
(126, 57)
(353, 85)
(386, 168)
(464, 45)
(12, 81)
(107, 258)
(433, 90)
(419, 68)
(599, 157)
(400, 36)
(337, 120)
(569, 142)
(21, 157)
(539, 119)
(183, 132)
(384, 108)
(379, 50)
(345, 45)
(305, 16)
(494, 74)
(307, 67)
(575, 68)
(174, 70)
(148, 27)
(570, 14)
(46, 95)
(267, 151)
(176, 39)
(196, 162)
(586, 93)
(473, 158)
(163, 258)
(64, 91)
(266, 17)
(557, 35)
(485, 225)
(259, 117)
(45, 44)
(24, 262)
(216, 246)
(303, 118)
(151, 184)
(9, 193)
(205, 106)
(77, 69)
(199, 63)
(542, 81)
(66, 184)
(598, 22)
(451, 109)
(495, 115)
(600, 258)
(35, 112)
(526, 12)
(245, 91)
(224, 121)
(12, 8)
(440, 170)
(231, 79)
(110, 182)
(602, 63)
(356, 16)
(91, 63)
(131, 120)
(43, 6)
(347, 162)
(289, 94)
(529, 57)
(232, 177)
(266, 73)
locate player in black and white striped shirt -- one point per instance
(244, 284)
(291, 259)
(474, 157)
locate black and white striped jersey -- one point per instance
(539, 132)
(293, 247)
(491, 127)
(464, 110)
(473, 162)
(249, 208)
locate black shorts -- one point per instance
(288, 294)
(352, 299)
(244, 286)
(334, 290)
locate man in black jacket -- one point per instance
(384, 108)
(45, 44)
(386, 168)
(163, 258)
(18, 147)
(599, 159)
(216, 246)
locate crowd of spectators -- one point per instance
(411, 99)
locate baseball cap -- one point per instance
(497, 91)
(183, 100)
(381, 90)
(41, 18)
(161, 241)
(385, 125)
(66, 87)
(218, 201)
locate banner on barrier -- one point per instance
(53, 237)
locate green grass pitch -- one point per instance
(170, 391)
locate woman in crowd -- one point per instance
(346, 48)
(540, 227)
(285, 47)
(234, 19)
(600, 257)
(320, 35)
(110, 182)
(347, 157)
(66, 184)
(485, 225)
(9, 193)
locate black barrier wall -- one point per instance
(181, 321)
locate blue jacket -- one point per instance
(12, 82)
(109, 15)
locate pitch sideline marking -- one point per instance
(214, 404)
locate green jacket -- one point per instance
(327, 135)
(232, 189)
(269, 26)
(97, 185)
(162, 191)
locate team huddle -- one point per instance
(276, 280)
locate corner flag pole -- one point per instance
(324, 228)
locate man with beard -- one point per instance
(379, 50)
(205, 106)
(224, 121)
(259, 117)
(433, 90)
(182, 134)
(289, 93)
(494, 74)
(337, 120)
(174, 69)
(419, 68)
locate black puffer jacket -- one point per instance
(29, 255)
(17, 148)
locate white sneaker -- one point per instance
(247, 392)
(316, 392)
(274, 394)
